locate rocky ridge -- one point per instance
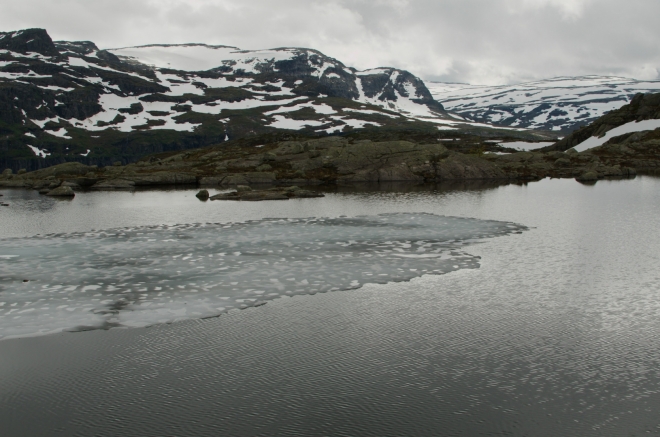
(340, 161)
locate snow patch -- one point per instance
(30, 75)
(369, 111)
(38, 152)
(525, 146)
(42, 123)
(281, 122)
(319, 109)
(56, 88)
(61, 133)
(320, 71)
(193, 57)
(373, 71)
(627, 128)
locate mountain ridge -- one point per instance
(69, 100)
(561, 104)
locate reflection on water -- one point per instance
(30, 213)
(554, 335)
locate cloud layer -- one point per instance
(473, 41)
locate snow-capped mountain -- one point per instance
(561, 104)
(62, 100)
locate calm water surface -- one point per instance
(556, 334)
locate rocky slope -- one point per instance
(69, 101)
(640, 115)
(561, 104)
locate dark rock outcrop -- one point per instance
(28, 41)
(282, 193)
(63, 191)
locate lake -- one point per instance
(532, 310)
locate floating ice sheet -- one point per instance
(159, 274)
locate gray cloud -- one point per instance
(474, 41)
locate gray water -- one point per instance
(554, 334)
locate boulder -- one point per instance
(74, 186)
(61, 192)
(280, 193)
(8, 173)
(40, 185)
(202, 195)
(114, 184)
(587, 176)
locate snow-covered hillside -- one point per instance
(68, 100)
(389, 88)
(561, 104)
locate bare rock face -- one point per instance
(63, 191)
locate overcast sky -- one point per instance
(470, 41)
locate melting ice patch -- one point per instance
(141, 276)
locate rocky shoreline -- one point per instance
(338, 161)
